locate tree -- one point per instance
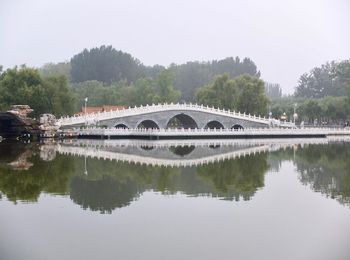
(330, 79)
(164, 88)
(25, 86)
(244, 93)
(17, 86)
(189, 77)
(328, 110)
(60, 97)
(343, 77)
(252, 97)
(273, 91)
(98, 93)
(104, 64)
(54, 70)
(223, 93)
(141, 92)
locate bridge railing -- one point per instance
(99, 116)
(196, 131)
(87, 149)
(130, 158)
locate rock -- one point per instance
(21, 110)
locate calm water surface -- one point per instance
(257, 199)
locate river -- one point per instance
(201, 199)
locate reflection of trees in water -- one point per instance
(326, 168)
(27, 184)
(231, 179)
(103, 195)
(110, 184)
(9, 151)
(235, 179)
(276, 158)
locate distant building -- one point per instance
(104, 108)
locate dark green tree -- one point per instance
(104, 64)
(98, 94)
(252, 97)
(189, 77)
(244, 93)
(164, 88)
(331, 79)
(25, 86)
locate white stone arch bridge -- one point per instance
(163, 116)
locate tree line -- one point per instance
(108, 65)
(323, 111)
(322, 96)
(141, 92)
(244, 93)
(110, 77)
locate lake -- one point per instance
(200, 199)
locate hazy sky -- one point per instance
(284, 38)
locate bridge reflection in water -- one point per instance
(105, 175)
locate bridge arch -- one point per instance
(182, 150)
(147, 124)
(147, 147)
(121, 125)
(182, 121)
(214, 124)
(237, 127)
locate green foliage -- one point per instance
(60, 97)
(25, 86)
(164, 88)
(326, 169)
(252, 98)
(110, 66)
(243, 93)
(144, 91)
(54, 70)
(236, 178)
(27, 185)
(189, 77)
(104, 64)
(273, 91)
(331, 79)
(97, 93)
(107, 65)
(111, 77)
(329, 110)
(111, 184)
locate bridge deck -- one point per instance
(94, 118)
(156, 134)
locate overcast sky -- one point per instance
(284, 38)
